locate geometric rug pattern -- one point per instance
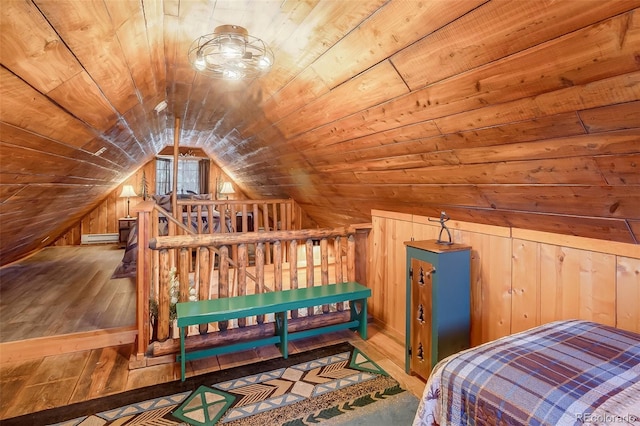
(292, 394)
(286, 386)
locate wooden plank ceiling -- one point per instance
(515, 113)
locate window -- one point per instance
(193, 176)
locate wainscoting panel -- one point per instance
(519, 278)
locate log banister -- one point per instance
(222, 243)
(214, 240)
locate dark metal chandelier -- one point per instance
(230, 53)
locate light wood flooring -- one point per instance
(57, 380)
(34, 385)
(62, 290)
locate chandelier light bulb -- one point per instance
(264, 63)
(200, 64)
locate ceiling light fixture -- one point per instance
(230, 53)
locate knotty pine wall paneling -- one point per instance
(628, 293)
(387, 271)
(519, 278)
(577, 284)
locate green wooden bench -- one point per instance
(278, 303)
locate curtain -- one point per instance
(203, 175)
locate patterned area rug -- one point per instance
(334, 384)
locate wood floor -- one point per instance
(62, 290)
(28, 386)
(61, 379)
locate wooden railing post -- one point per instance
(143, 274)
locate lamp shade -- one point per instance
(227, 188)
(127, 191)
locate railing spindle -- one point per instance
(242, 277)
(255, 220)
(183, 274)
(244, 219)
(275, 217)
(163, 297)
(309, 254)
(293, 270)
(277, 266)
(223, 281)
(265, 218)
(259, 287)
(351, 258)
(324, 267)
(337, 247)
(204, 280)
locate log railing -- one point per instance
(230, 216)
(242, 215)
(218, 216)
(300, 258)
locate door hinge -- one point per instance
(410, 350)
(410, 272)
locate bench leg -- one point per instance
(359, 312)
(282, 330)
(183, 361)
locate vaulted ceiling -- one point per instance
(515, 113)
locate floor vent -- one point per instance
(99, 238)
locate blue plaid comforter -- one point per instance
(562, 373)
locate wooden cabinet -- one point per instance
(438, 303)
(124, 227)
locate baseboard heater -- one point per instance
(99, 238)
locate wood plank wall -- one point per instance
(519, 278)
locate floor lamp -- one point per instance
(127, 191)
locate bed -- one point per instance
(562, 373)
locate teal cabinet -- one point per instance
(438, 303)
